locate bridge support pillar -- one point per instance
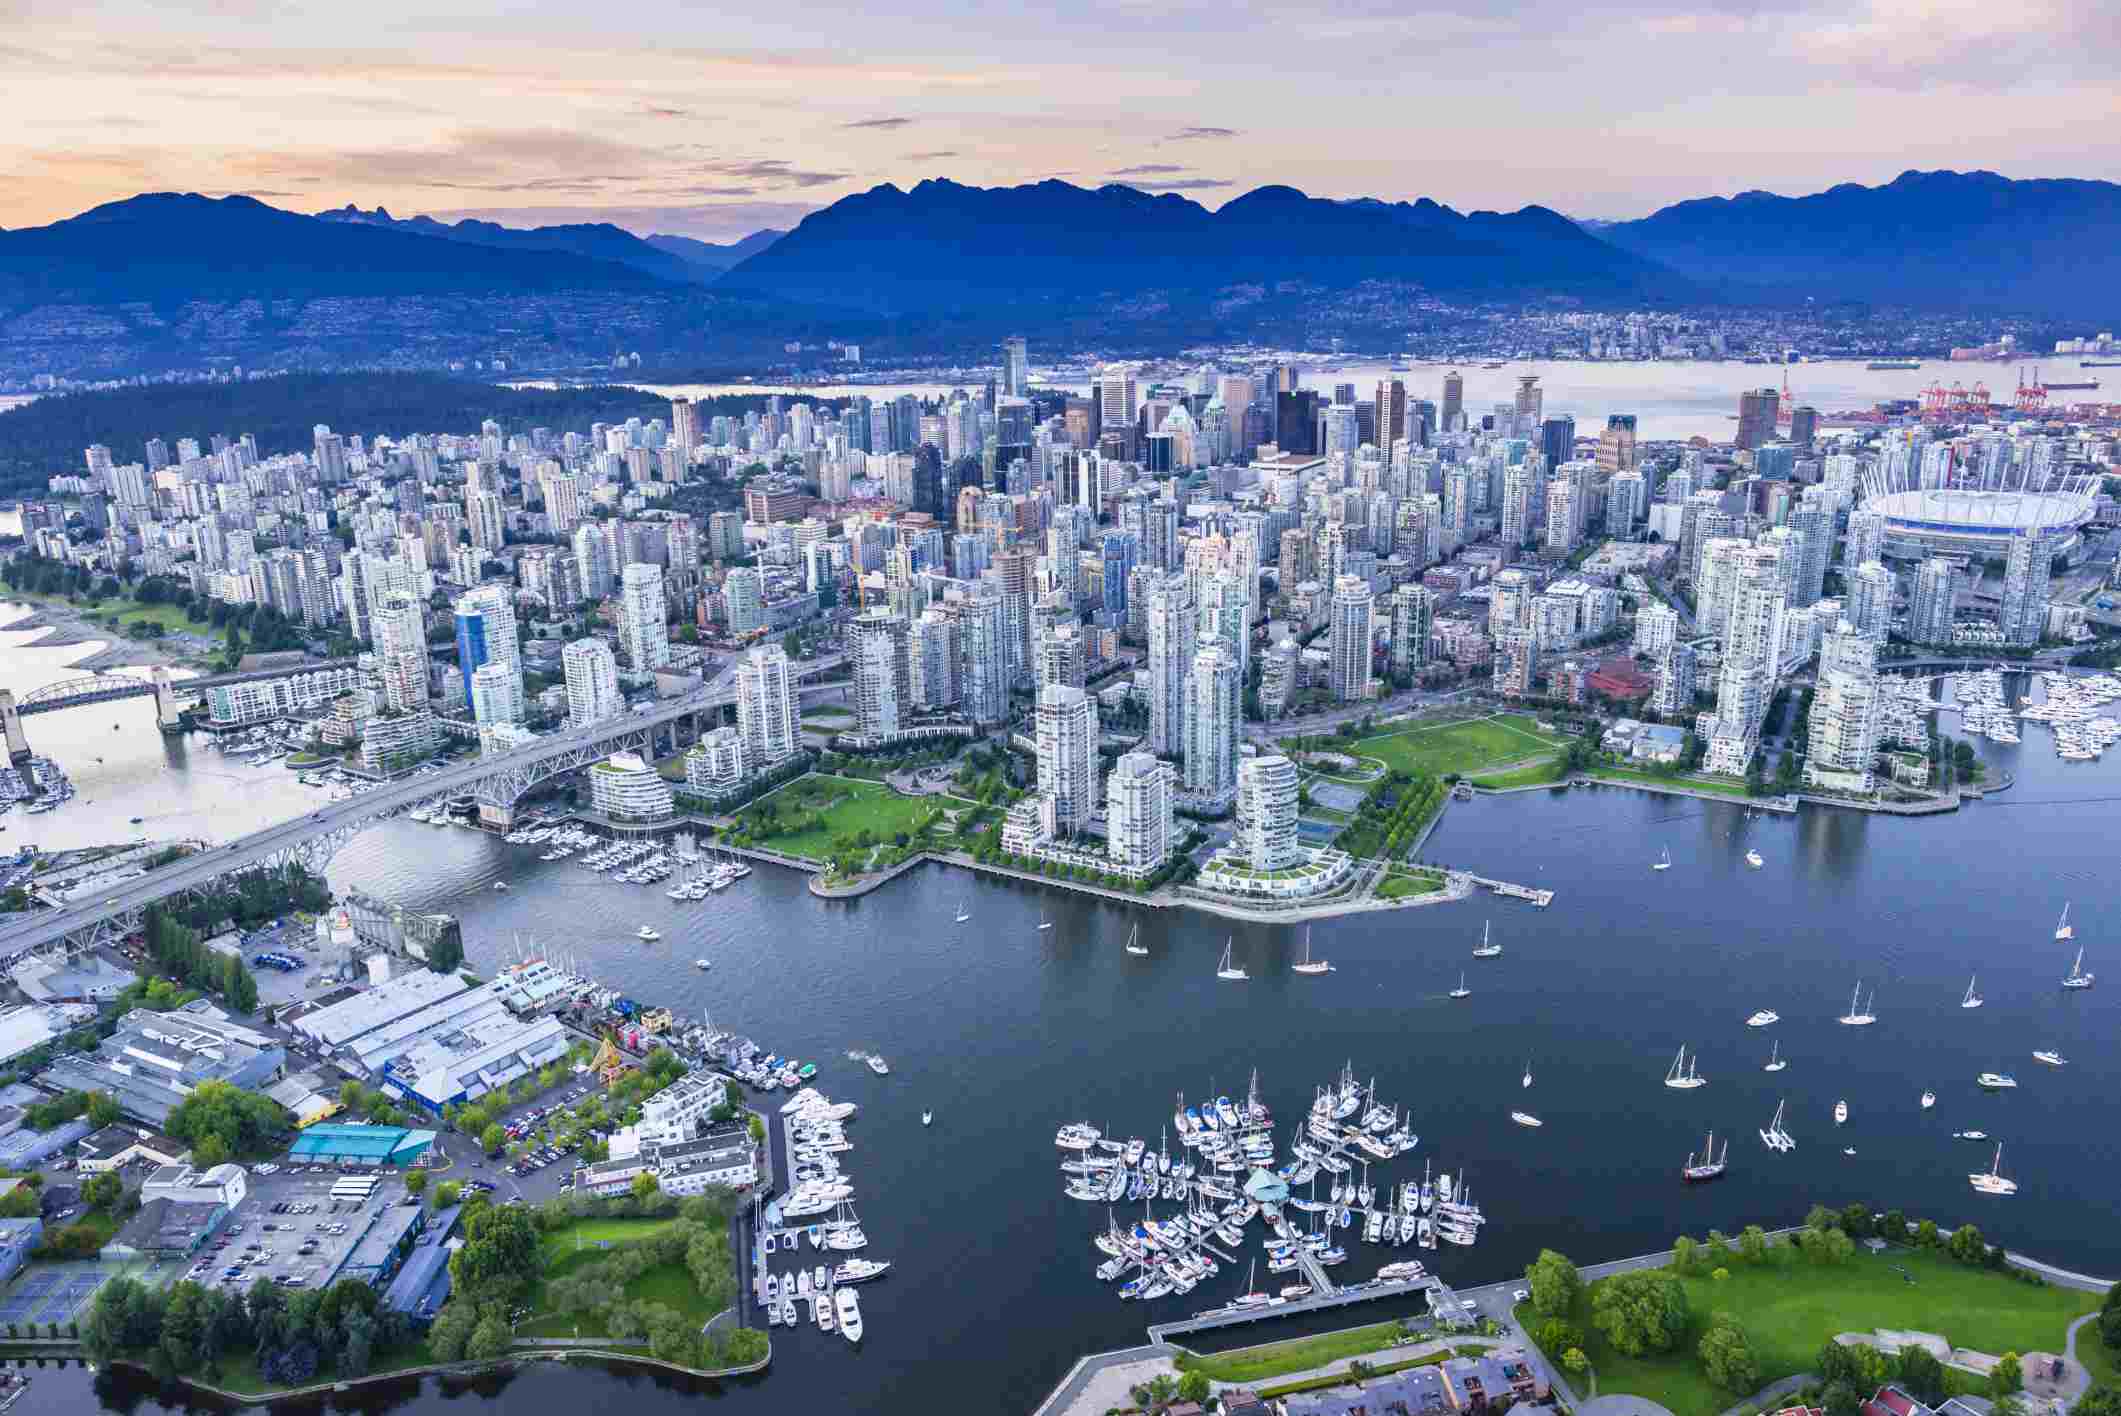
(166, 702)
(17, 740)
(501, 818)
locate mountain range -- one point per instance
(941, 265)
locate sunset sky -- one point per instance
(716, 121)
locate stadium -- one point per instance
(1979, 522)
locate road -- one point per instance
(48, 927)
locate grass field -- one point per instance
(2099, 1359)
(1723, 786)
(1400, 884)
(1789, 1310)
(1278, 1359)
(574, 1247)
(1458, 747)
(585, 1237)
(849, 806)
(1542, 774)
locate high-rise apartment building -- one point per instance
(1413, 619)
(1847, 713)
(1869, 606)
(644, 631)
(1173, 632)
(486, 633)
(767, 715)
(1758, 410)
(592, 682)
(401, 653)
(2022, 611)
(1932, 602)
(1266, 812)
(882, 673)
(1140, 828)
(496, 694)
(1516, 666)
(1349, 639)
(1752, 657)
(1214, 718)
(1016, 367)
(1066, 734)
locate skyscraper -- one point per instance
(592, 560)
(1173, 629)
(486, 633)
(1454, 401)
(1214, 717)
(592, 682)
(1847, 712)
(2022, 611)
(1267, 811)
(1866, 538)
(982, 656)
(1930, 607)
(1066, 734)
(1016, 367)
(1557, 439)
(1870, 599)
(401, 653)
(1350, 639)
(496, 694)
(1413, 618)
(1140, 831)
(766, 714)
(882, 674)
(1757, 413)
(644, 632)
(1752, 655)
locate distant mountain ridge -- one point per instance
(679, 259)
(1942, 240)
(941, 246)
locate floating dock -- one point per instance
(1322, 1301)
(1540, 898)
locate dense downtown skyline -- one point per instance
(661, 118)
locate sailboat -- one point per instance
(1664, 862)
(2063, 929)
(1251, 1297)
(2078, 978)
(1774, 1137)
(1861, 1017)
(1309, 964)
(1991, 1181)
(1229, 971)
(1682, 1077)
(927, 1117)
(963, 911)
(1044, 924)
(1527, 1073)
(1776, 1061)
(1488, 948)
(1461, 991)
(1711, 1164)
(1134, 941)
(1972, 999)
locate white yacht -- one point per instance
(964, 911)
(1228, 970)
(1997, 1081)
(1461, 991)
(1044, 924)
(1752, 858)
(849, 1311)
(1488, 949)
(1991, 1181)
(1682, 1076)
(1929, 1099)
(927, 1117)
(1972, 999)
(1526, 1118)
(1527, 1082)
(701, 964)
(1134, 942)
(2051, 1058)
(1776, 1061)
(1841, 1113)
(859, 1270)
(647, 935)
(2078, 978)
(1664, 862)
(879, 1066)
(1310, 965)
(1766, 1017)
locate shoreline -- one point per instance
(64, 626)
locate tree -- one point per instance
(1841, 1399)
(1194, 1387)
(102, 1191)
(1856, 1221)
(645, 1186)
(492, 1138)
(1926, 1234)
(451, 1332)
(1922, 1374)
(1640, 1312)
(1832, 1247)
(1685, 1254)
(499, 1256)
(1574, 1359)
(1819, 1219)
(415, 1182)
(1554, 1282)
(2008, 1376)
(103, 1110)
(1727, 1357)
(1967, 1245)
(234, 1121)
(2101, 1400)
(1752, 1244)
(488, 1340)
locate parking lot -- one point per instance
(291, 1230)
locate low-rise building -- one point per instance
(19, 1238)
(154, 1060)
(625, 788)
(117, 1146)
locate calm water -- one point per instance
(1006, 1032)
(122, 765)
(1670, 399)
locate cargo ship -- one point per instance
(1893, 364)
(2073, 387)
(2099, 363)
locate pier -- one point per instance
(1510, 891)
(1326, 1298)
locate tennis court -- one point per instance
(28, 1295)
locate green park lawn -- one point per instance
(1278, 1359)
(591, 1236)
(846, 806)
(1722, 786)
(1790, 1309)
(1538, 775)
(2100, 1360)
(1463, 748)
(577, 1245)
(1402, 883)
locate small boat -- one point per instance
(2063, 928)
(1929, 1099)
(1752, 858)
(1682, 1076)
(645, 934)
(879, 1066)
(1774, 1136)
(1044, 924)
(1526, 1118)
(138, 819)
(1664, 862)
(500, 884)
(1461, 991)
(1848, 1150)
(1766, 1017)
(1134, 942)
(1229, 971)
(1296, 1290)
(1488, 948)
(701, 964)
(964, 911)
(1859, 1016)
(1709, 1167)
(1969, 1135)
(1997, 1081)
(1776, 1061)
(2051, 1058)
(1972, 999)
(849, 1311)
(1309, 964)
(2077, 977)
(927, 1117)
(1527, 1082)
(1841, 1113)
(1991, 1181)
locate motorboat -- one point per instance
(1972, 999)
(1841, 1113)
(701, 964)
(1682, 1076)
(879, 1066)
(1752, 858)
(1766, 1017)
(859, 1270)
(2052, 1059)
(1997, 1081)
(1526, 1118)
(848, 1309)
(1969, 1135)
(647, 935)
(1991, 1181)
(1929, 1099)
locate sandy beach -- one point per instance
(63, 624)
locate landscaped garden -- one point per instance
(1728, 1316)
(1440, 749)
(822, 818)
(1404, 882)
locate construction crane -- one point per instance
(2032, 394)
(1936, 404)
